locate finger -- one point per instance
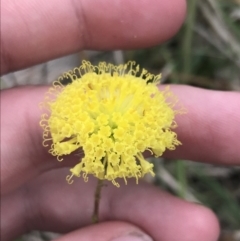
(209, 131)
(35, 31)
(50, 204)
(110, 231)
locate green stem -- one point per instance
(188, 35)
(182, 178)
(97, 197)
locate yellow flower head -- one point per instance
(112, 113)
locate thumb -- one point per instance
(107, 231)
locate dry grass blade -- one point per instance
(171, 182)
(215, 21)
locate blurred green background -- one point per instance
(204, 53)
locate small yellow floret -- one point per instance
(112, 113)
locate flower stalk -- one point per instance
(97, 198)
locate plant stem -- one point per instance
(188, 35)
(97, 197)
(182, 178)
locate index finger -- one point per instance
(209, 132)
(35, 31)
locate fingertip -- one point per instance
(206, 131)
(135, 24)
(202, 224)
(111, 231)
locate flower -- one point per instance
(112, 113)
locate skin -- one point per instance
(34, 193)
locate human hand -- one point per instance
(34, 192)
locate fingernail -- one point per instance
(134, 236)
